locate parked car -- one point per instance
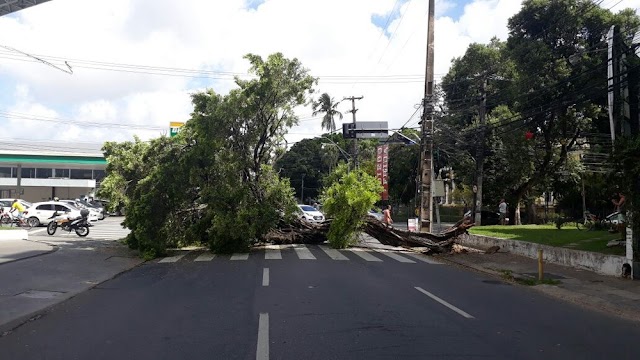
(487, 217)
(93, 205)
(41, 213)
(93, 212)
(376, 215)
(310, 213)
(6, 203)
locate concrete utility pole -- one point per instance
(426, 145)
(480, 151)
(355, 140)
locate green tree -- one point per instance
(306, 159)
(404, 161)
(347, 200)
(214, 183)
(326, 105)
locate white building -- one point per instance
(46, 170)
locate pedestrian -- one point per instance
(387, 216)
(618, 201)
(502, 208)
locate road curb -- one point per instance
(54, 248)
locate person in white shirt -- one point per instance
(502, 208)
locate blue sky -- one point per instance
(455, 11)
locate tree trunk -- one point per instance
(302, 232)
(533, 215)
(516, 218)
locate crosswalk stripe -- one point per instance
(304, 253)
(205, 256)
(272, 254)
(397, 257)
(333, 253)
(240, 256)
(365, 255)
(172, 259)
(424, 258)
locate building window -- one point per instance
(81, 174)
(28, 173)
(44, 173)
(98, 175)
(61, 173)
(5, 172)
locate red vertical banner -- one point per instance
(382, 169)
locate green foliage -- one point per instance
(403, 170)
(310, 159)
(214, 182)
(347, 200)
(544, 80)
(327, 105)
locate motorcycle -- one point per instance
(80, 224)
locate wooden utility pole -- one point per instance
(426, 145)
(480, 151)
(355, 139)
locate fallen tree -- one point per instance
(299, 231)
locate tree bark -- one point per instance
(302, 232)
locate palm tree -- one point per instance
(327, 105)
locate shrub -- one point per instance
(347, 200)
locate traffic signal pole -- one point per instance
(426, 145)
(355, 140)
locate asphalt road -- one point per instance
(315, 309)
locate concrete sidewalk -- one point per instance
(613, 295)
(44, 271)
(14, 250)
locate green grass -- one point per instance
(567, 237)
(508, 275)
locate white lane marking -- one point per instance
(396, 257)
(304, 253)
(424, 258)
(37, 231)
(172, 259)
(205, 256)
(364, 254)
(272, 253)
(444, 303)
(262, 351)
(240, 256)
(265, 277)
(333, 253)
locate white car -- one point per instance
(41, 213)
(310, 213)
(93, 212)
(6, 203)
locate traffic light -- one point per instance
(349, 131)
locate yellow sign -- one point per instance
(174, 127)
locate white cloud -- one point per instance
(331, 37)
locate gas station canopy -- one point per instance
(10, 6)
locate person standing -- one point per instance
(618, 202)
(387, 216)
(502, 208)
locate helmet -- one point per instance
(56, 198)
